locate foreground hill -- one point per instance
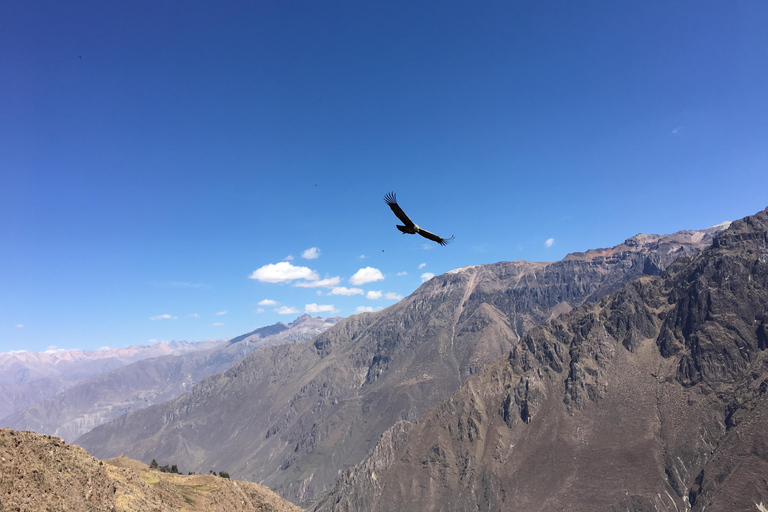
(292, 417)
(80, 408)
(40, 472)
(29, 377)
(653, 399)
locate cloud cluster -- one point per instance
(283, 272)
(311, 253)
(286, 272)
(426, 276)
(550, 242)
(343, 290)
(366, 275)
(328, 282)
(319, 308)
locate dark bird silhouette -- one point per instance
(410, 227)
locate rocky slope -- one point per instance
(292, 417)
(80, 408)
(39, 472)
(29, 377)
(655, 398)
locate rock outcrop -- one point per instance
(653, 398)
(40, 472)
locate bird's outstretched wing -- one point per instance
(391, 200)
(434, 237)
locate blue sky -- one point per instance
(162, 162)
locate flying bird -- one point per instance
(410, 227)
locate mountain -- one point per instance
(292, 417)
(39, 472)
(29, 377)
(654, 398)
(80, 408)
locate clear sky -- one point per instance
(175, 170)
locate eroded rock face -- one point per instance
(653, 398)
(293, 417)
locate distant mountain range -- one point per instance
(29, 377)
(151, 380)
(294, 417)
(654, 398)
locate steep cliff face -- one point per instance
(653, 398)
(293, 417)
(88, 404)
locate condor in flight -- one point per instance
(410, 227)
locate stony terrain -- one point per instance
(655, 398)
(294, 416)
(82, 407)
(43, 473)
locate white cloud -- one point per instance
(282, 273)
(343, 290)
(403, 273)
(288, 258)
(328, 282)
(285, 310)
(217, 324)
(105, 347)
(422, 265)
(550, 242)
(20, 326)
(152, 340)
(319, 308)
(392, 296)
(311, 253)
(364, 309)
(677, 130)
(260, 310)
(426, 276)
(427, 247)
(268, 302)
(195, 315)
(220, 313)
(362, 256)
(366, 275)
(165, 316)
(373, 295)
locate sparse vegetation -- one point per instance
(165, 469)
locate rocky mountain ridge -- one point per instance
(82, 407)
(653, 398)
(39, 472)
(294, 416)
